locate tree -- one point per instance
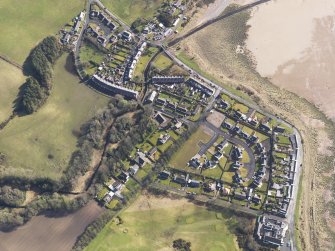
(33, 96)
(182, 245)
(165, 19)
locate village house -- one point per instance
(164, 175)
(271, 231)
(163, 138)
(167, 80)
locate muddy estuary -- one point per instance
(293, 42)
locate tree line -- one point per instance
(39, 67)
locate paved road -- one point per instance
(251, 165)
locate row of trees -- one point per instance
(39, 67)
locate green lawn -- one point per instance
(143, 62)
(283, 140)
(156, 229)
(90, 57)
(240, 107)
(23, 23)
(190, 148)
(130, 10)
(27, 141)
(11, 79)
(162, 62)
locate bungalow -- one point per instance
(178, 125)
(116, 186)
(124, 177)
(134, 169)
(108, 197)
(279, 129)
(220, 146)
(163, 138)
(236, 153)
(193, 183)
(217, 156)
(236, 165)
(239, 116)
(239, 196)
(126, 35)
(223, 104)
(265, 127)
(181, 179)
(209, 164)
(253, 121)
(260, 148)
(161, 101)
(227, 125)
(225, 191)
(140, 159)
(183, 110)
(195, 163)
(253, 139)
(244, 135)
(237, 129)
(164, 175)
(152, 97)
(160, 118)
(152, 151)
(257, 199)
(171, 105)
(237, 178)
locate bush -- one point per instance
(182, 245)
(11, 196)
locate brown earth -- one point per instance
(50, 233)
(214, 49)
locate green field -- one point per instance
(40, 145)
(11, 79)
(156, 229)
(130, 10)
(190, 148)
(23, 23)
(143, 62)
(90, 57)
(162, 62)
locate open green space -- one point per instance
(23, 23)
(190, 148)
(156, 228)
(11, 78)
(41, 144)
(90, 57)
(162, 62)
(143, 62)
(130, 10)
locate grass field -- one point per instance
(143, 62)
(190, 148)
(162, 62)
(90, 57)
(23, 23)
(130, 10)
(11, 79)
(155, 223)
(40, 145)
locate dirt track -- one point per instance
(52, 234)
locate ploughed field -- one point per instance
(50, 233)
(41, 144)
